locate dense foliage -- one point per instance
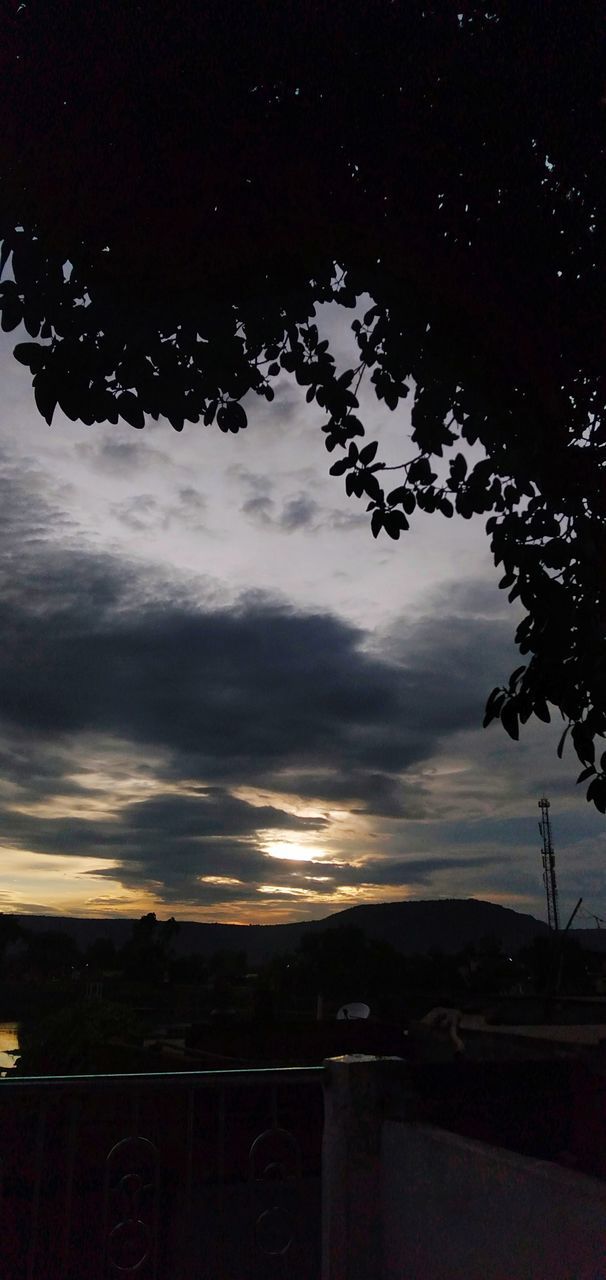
(183, 184)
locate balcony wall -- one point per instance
(162, 1177)
(454, 1207)
(406, 1200)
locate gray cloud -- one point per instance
(298, 512)
(144, 512)
(218, 697)
(116, 457)
(260, 507)
(140, 513)
(167, 841)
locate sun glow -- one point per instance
(220, 880)
(293, 851)
(283, 889)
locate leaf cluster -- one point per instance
(182, 189)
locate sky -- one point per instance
(221, 699)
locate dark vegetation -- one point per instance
(182, 186)
(90, 1010)
(410, 927)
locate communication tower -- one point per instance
(549, 873)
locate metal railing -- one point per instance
(212, 1174)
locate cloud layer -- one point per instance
(211, 707)
(296, 730)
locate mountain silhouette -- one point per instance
(449, 924)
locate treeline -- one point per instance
(335, 964)
(89, 1001)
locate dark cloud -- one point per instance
(365, 791)
(294, 512)
(298, 512)
(140, 513)
(168, 842)
(256, 694)
(120, 458)
(189, 508)
(236, 694)
(144, 512)
(260, 507)
(117, 457)
(27, 517)
(418, 871)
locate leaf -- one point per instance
(596, 791)
(367, 454)
(5, 252)
(515, 676)
(30, 354)
(130, 409)
(376, 522)
(232, 417)
(583, 743)
(394, 522)
(45, 396)
(458, 468)
(493, 706)
(371, 485)
(391, 398)
(509, 720)
(420, 471)
(560, 747)
(586, 773)
(397, 495)
(12, 313)
(340, 467)
(542, 710)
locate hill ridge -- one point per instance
(411, 925)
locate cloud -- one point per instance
(133, 708)
(144, 513)
(117, 458)
(298, 512)
(295, 511)
(169, 842)
(260, 508)
(139, 513)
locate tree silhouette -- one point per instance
(183, 184)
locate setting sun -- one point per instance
(292, 851)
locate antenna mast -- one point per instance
(549, 874)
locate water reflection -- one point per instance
(9, 1044)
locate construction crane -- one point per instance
(549, 873)
(590, 915)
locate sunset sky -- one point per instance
(221, 699)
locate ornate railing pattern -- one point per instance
(213, 1174)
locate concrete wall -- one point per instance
(452, 1207)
